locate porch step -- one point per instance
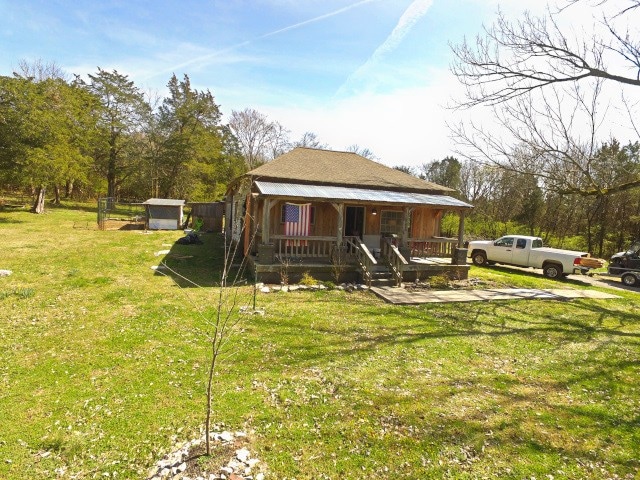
(381, 278)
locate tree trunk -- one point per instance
(68, 189)
(38, 205)
(56, 191)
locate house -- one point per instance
(163, 213)
(309, 209)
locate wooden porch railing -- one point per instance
(303, 247)
(363, 256)
(432, 247)
(395, 259)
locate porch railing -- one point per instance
(395, 259)
(363, 256)
(303, 247)
(432, 247)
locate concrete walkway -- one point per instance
(401, 296)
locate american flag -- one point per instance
(296, 221)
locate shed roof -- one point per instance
(327, 167)
(165, 202)
(328, 192)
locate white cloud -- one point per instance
(404, 127)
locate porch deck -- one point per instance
(321, 268)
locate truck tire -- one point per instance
(552, 270)
(479, 258)
(629, 279)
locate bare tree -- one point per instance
(515, 58)
(551, 136)
(309, 140)
(363, 152)
(39, 70)
(279, 142)
(255, 132)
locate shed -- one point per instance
(211, 214)
(164, 213)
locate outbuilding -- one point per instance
(164, 213)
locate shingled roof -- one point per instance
(328, 167)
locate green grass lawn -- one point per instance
(103, 366)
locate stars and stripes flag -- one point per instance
(297, 219)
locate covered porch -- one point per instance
(368, 235)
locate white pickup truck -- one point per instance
(524, 251)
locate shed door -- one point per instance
(354, 222)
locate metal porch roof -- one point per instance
(328, 192)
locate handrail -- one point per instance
(395, 259)
(363, 256)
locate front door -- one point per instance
(354, 222)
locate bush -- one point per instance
(308, 280)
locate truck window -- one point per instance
(504, 242)
(537, 243)
(521, 243)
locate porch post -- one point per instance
(461, 230)
(406, 220)
(340, 208)
(266, 220)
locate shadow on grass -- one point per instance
(559, 394)
(65, 205)
(200, 265)
(9, 220)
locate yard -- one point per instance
(103, 366)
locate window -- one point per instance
(312, 214)
(537, 243)
(391, 222)
(521, 243)
(504, 242)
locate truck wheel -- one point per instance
(552, 270)
(629, 279)
(479, 259)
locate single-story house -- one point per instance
(310, 209)
(163, 213)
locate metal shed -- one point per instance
(164, 213)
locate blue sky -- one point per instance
(367, 72)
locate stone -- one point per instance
(226, 436)
(5, 273)
(265, 290)
(243, 455)
(182, 467)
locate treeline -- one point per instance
(509, 201)
(104, 136)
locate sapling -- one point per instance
(223, 320)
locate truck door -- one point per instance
(520, 252)
(503, 250)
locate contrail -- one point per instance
(409, 18)
(210, 56)
(317, 19)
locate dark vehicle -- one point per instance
(627, 265)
